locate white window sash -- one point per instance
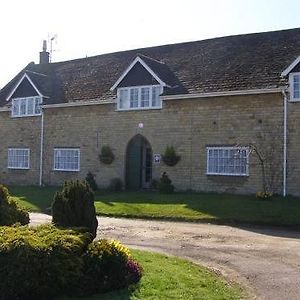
(25, 103)
(66, 159)
(139, 106)
(291, 84)
(18, 158)
(220, 164)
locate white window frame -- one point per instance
(291, 84)
(139, 107)
(18, 167)
(227, 148)
(26, 99)
(66, 170)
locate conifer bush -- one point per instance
(165, 185)
(90, 179)
(74, 207)
(10, 212)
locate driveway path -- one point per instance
(267, 260)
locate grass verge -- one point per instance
(167, 277)
(199, 207)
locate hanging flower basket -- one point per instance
(106, 156)
(170, 158)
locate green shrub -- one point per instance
(170, 158)
(115, 185)
(90, 179)
(165, 185)
(74, 207)
(264, 195)
(45, 262)
(108, 266)
(40, 263)
(106, 156)
(10, 211)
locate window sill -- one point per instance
(294, 100)
(227, 174)
(138, 108)
(12, 168)
(64, 170)
(24, 116)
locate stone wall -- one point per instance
(20, 133)
(189, 125)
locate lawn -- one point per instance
(167, 277)
(198, 207)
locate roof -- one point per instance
(249, 61)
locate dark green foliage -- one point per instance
(90, 179)
(165, 185)
(115, 185)
(106, 156)
(154, 184)
(74, 207)
(170, 158)
(45, 262)
(39, 263)
(108, 266)
(10, 211)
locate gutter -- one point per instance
(41, 150)
(284, 142)
(79, 103)
(222, 94)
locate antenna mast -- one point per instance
(53, 38)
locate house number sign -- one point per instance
(156, 158)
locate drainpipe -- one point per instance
(284, 142)
(41, 149)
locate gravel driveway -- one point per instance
(266, 260)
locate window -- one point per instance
(18, 158)
(134, 97)
(66, 159)
(142, 97)
(295, 86)
(227, 161)
(22, 107)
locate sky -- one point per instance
(92, 27)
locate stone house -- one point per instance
(214, 101)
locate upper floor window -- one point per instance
(295, 86)
(139, 97)
(227, 161)
(29, 106)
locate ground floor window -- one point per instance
(67, 159)
(232, 161)
(18, 158)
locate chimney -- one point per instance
(44, 55)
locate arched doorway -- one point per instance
(138, 163)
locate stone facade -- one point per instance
(187, 124)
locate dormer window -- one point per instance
(295, 86)
(139, 97)
(26, 107)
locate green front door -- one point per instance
(138, 163)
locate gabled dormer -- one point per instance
(25, 97)
(139, 87)
(293, 71)
(142, 83)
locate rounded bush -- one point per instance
(108, 266)
(40, 263)
(10, 212)
(45, 262)
(74, 207)
(115, 185)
